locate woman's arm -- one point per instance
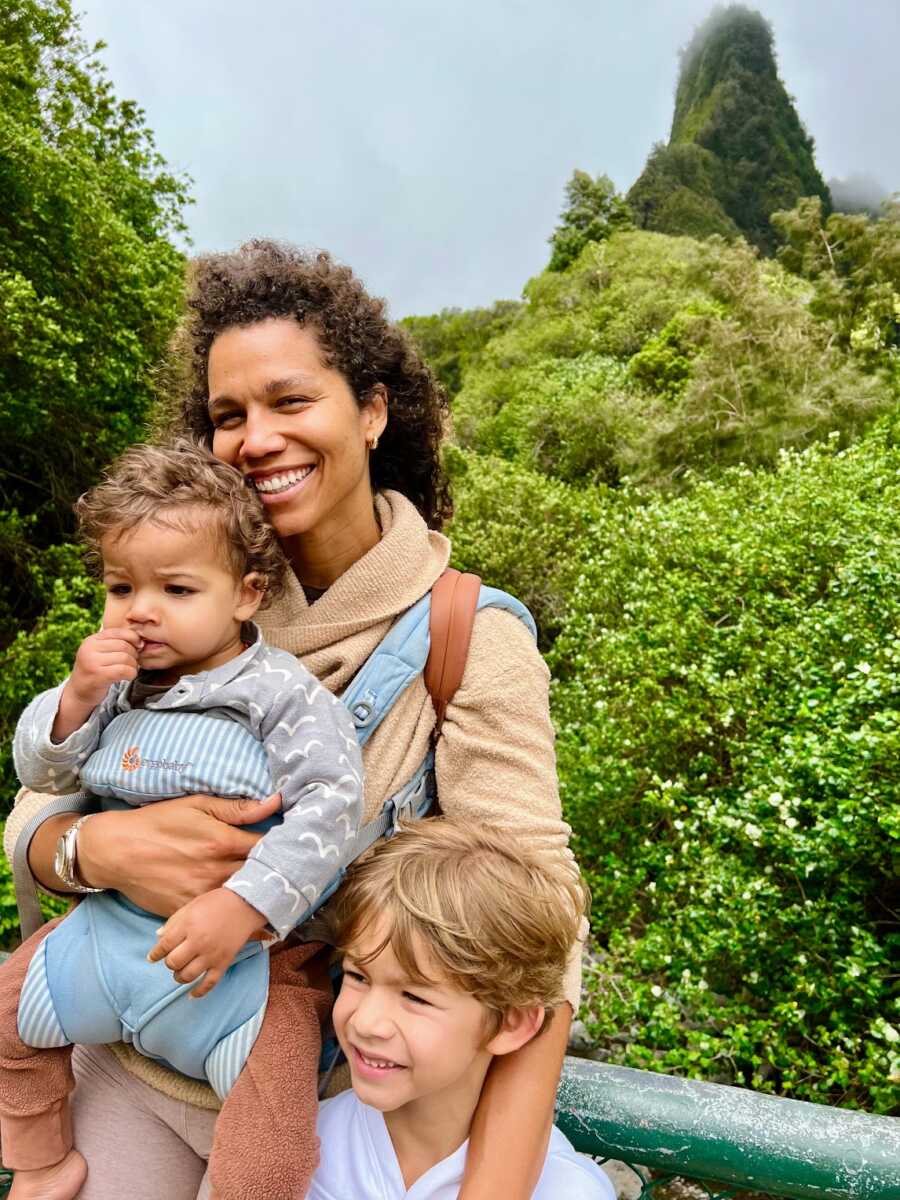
(161, 855)
(496, 765)
(509, 1135)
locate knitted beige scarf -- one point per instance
(335, 636)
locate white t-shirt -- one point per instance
(358, 1163)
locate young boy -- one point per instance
(453, 949)
(177, 694)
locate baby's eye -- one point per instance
(118, 589)
(354, 976)
(176, 589)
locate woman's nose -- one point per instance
(261, 437)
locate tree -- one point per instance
(594, 210)
(853, 262)
(89, 281)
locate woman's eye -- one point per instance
(290, 401)
(226, 420)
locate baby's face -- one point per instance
(174, 589)
(406, 1041)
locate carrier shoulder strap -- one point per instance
(454, 602)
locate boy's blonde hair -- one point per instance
(182, 486)
(494, 919)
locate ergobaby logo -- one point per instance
(131, 761)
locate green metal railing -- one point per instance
(730, 1138)
(727, 1138)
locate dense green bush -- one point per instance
(605, 373)
(727, 697)
(39, 658)
(522, 531)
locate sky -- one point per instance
(428, 144)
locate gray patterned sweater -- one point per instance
(310, 755)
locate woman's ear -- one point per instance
(375, 413)
(519, 1026)
(250, 595)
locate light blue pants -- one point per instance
(75, 991)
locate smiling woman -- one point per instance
(291, 373)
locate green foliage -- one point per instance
(89, 282)
(521, 528)
(737, 149)
(726, 692)
(452, 339)
(727, 697)
(604, 374)
(854, 264)
(593, 211)
(39, 658)
(677, 191)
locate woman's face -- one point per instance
(293, 428)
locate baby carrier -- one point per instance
(74, 993)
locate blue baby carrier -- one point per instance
(75, 993)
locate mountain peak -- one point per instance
(737, 150)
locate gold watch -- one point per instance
(66, 858)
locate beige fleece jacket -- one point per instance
(495, 761)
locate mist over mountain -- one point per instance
(858, 193)
(737, 151)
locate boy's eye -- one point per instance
(353, 976)
(416, 999)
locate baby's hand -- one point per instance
(205, 935)
(102, 659)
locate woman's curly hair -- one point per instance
(264, 279)
(182, 486)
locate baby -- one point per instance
(177, 694)
(454, 945)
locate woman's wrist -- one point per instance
(94, 868)
(42, 850)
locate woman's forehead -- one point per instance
(266, 352)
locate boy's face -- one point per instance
(175, 590)
(405, 1041)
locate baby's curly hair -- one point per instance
(264, 279)
(182, 486)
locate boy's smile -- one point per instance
(409, 1043)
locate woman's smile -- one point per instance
(282, 483)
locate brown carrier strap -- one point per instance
(454, 600)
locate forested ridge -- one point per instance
(681, 448)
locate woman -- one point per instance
(292, 374)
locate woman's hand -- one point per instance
(165, 854)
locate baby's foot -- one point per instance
(62, 1181)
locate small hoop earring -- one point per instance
(373, 444)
